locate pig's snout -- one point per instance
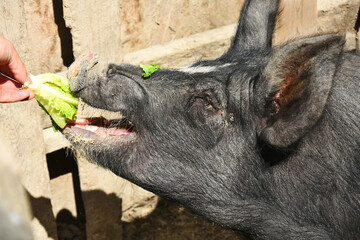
(119, 88)
(79, 82)
(78, 71)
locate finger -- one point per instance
(17, 68)
(5, 82)
(14, 95)
(5, 51)
(11, 63)
(31, 94)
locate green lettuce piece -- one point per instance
(52, 91)
(149, 69)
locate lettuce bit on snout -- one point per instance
(52, 91)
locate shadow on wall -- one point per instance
(66, 42)
(100, 213)
(168, 221)
(41, 208)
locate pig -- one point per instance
(264, 140)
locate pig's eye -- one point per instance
(207, 102)
(205, 109)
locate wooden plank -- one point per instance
(182, 52)
(298, 18)
(54, 141)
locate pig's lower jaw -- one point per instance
(100, 130)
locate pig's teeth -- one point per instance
(88, 127)
(91, 128)
(79, 121)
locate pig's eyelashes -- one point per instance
(209, 103)
(205, 109)
(206, 101)
(210, 99)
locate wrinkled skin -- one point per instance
(264, 140)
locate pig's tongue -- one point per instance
(105, 131)
(88, 125)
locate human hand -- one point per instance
(11, 64)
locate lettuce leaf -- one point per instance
(52, 91)
(148, 70)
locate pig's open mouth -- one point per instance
(101, 129)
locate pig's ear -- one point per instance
(256, 25)
(296, 83)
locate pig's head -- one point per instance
(200, 134)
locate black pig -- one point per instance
(263, 140)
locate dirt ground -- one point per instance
(170, 221)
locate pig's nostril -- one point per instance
(79, 82)
(78, 71)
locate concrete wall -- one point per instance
(49, 34)
(21, 132)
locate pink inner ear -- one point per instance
(291, 89)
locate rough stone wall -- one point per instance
(43, 37)
(339, 16)
(30, 26)
(95, 27)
